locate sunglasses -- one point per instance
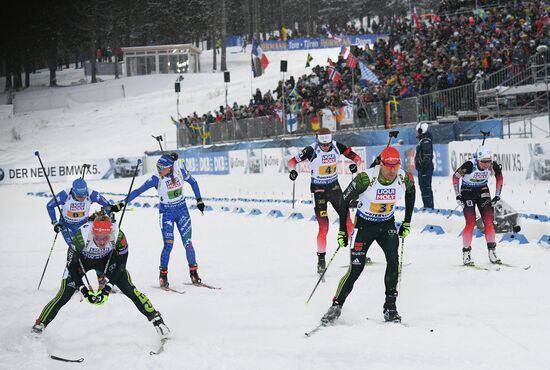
(163, 167)
(391, 165)
(486, 161)
(102, 237)
(327, 144)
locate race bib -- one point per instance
(327, 170)
(173, 194)
(381, 208)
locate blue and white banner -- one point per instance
(96, 169)
(320, 42)
(208, 163)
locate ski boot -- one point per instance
(163, 277)
(195, 279)
(332, 314)
(492, 256)
(38, 327)
(160, 326)
(321, 263)
(466, 258)
(390, 311)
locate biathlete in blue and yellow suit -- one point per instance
(172, 209)
(75, 206)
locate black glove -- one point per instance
(200, 204)
(495, 200)
(353, 168)
(116, 207)
(57, 227)
(459, 201)
(103, 295)
(88, 296)
(174, 156)
(293, 175)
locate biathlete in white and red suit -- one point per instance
(474, 191)
(323, 156)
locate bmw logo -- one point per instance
(1, 174)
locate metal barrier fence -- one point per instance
(448, 102)
(442, 103)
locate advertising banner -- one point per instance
(237, 162)
(272, 160)
(306, 43)
(98, 169)
(520, 159)
(208, 163)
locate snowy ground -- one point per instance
(266, 267)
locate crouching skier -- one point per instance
(97, 243)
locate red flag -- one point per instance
(334, 75)
(351, 61)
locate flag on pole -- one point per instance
(291, 122)
(344, 52)
(351, 61)
(367, 74)
(259, 59)
(308, 60)
(334, 75)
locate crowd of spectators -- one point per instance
(422, 54)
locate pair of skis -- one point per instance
(157, 351)
(200, 285)
(497, 265)
(321, 325)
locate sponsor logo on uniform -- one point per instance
(356, 262)
(328, 158)
(358, 246)
(323, 213)
(385, 194)
(77, 206)
(173, 184)
(480, 175)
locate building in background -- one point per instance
(146, 60)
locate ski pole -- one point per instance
(123, 210)
(400, 263)
(485, 134)
(450, 214)
(323, 274)
(63, 222)
(47, 261)
(159, 139)
(85, 167)
(293, 192)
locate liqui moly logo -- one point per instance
(328, 158)
(77, 207)
(385, 194)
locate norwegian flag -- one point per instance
(344, 52)
(351, 61)
(334, 75)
